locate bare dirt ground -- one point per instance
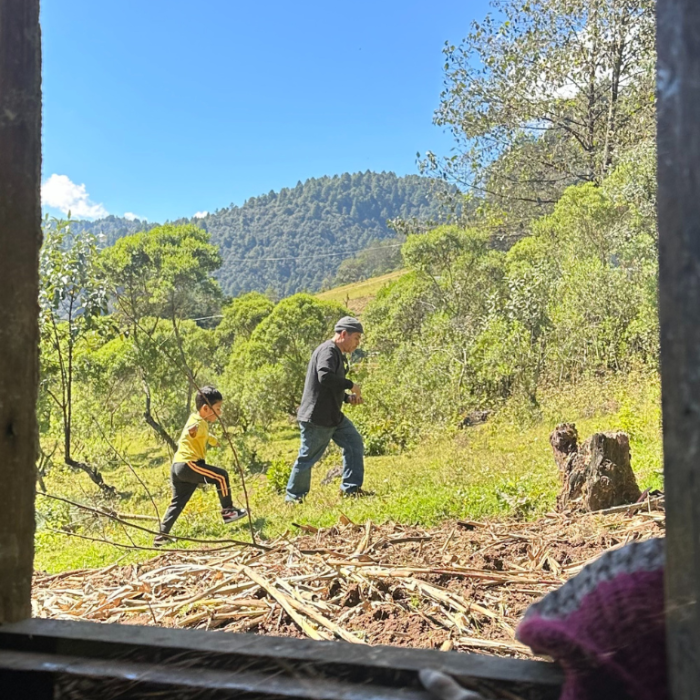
(463, 586)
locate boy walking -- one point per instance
(190, 468)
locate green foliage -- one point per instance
(308, 230)
(296, 239)
(165, 272)
(241, 317)
(377, 259)
(545, 94)
(398, 312)
(127, 372)
(500, 360)
(156, 278)
(266, 371)
(72, 288)
(72, 299)
(384, 431)
(633, 185)
(470, 327)
(277, 474)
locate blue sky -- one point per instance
(166, 108)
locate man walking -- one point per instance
(321, 418)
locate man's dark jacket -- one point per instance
(325, 387)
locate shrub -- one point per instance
(278, 474)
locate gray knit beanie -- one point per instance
(349, 324)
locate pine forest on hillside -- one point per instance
(296, 239)
(312, 227)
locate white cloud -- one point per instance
(200, 214)
(60, 192)
(132, 217)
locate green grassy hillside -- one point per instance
(357, 295)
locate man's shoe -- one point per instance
(293, 501)
(230, 515)
(160, 540)
(357, 493)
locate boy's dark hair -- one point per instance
(207, 396)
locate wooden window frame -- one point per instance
(36, 656)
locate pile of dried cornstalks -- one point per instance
(462, 586)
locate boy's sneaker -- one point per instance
(357, 493)
(160, 540)
(230, 515)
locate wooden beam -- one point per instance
(678, 47)
(20, 240)
(117, 641)
(153, 660)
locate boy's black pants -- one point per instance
(184, 477)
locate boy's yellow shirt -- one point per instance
(193, 448)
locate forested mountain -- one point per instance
(295, 239)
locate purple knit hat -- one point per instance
(606, 627)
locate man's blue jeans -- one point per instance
(314, 440)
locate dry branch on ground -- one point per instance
(462, 586)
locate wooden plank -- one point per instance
(20, 240)
(200, 679)
(104, 640)
(26, 684)
(678, 46)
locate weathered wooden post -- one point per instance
(20, 240)
(678, 46)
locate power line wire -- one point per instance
(313, 257)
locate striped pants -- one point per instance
(184, 477)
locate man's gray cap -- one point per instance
(349, 324)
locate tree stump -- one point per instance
(596, 476)
(564, 441)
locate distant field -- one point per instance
(357, 295)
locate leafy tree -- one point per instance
(500, 360)
(544, 94)
(267, 371)
(72, 298)
(470, 326)
(121, 373)
(607, 274)
(242, 316)
(425, 326)
(164, 274)
(632, 187)
(398, 312)
(464, 272)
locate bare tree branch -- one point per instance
(116, 518)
